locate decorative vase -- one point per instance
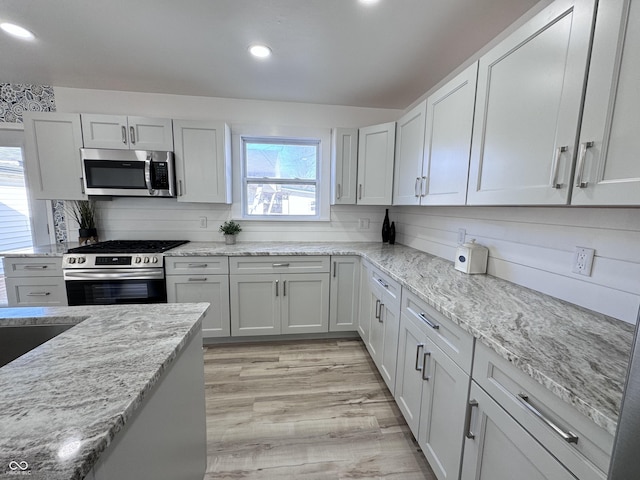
(230, 239)
(386, 228)
(392, 233)
(87, 236)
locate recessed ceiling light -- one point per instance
(259, 50)
(368, 2)
(17, 31)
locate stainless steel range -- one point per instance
(117, 272)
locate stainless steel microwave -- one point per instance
(129, 173)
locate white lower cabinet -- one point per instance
(34, 282)
(202, 279)
(364, 302)
(498, 448)
(344, 293)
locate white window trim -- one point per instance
(323, 213)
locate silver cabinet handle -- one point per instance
(339, 193)
(179, 188)
(197, 279)
(132, 135)
(38, 294)
(467, 421)
(415, 187)
(82, 185)
(284, 288)
(381, 282)
(280, 265)
(580, 167)
(424, 366)
(435, 326)
(418, 347)
(377, 308)
(277, 281)
(360, 192)
(35, 267)
(124, 134)
(568, 437)
(423, 187)
(556, 166)
(380, 314)
(198, 265)
(334, 269)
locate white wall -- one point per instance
(534, 247)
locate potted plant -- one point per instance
(84, 213)
(230, 230)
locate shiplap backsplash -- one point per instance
(534, 247)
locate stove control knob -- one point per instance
(138, 260)
(154, 260)
(146, 259)
(72, 260)
(82, 260)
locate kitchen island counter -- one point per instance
(63, 403)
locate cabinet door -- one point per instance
(528, 107)
(105, 131)
(344, 163)
(390, 318)
(376, 146)
(255, 304)
(204, 288)
(203, 161)
(408, 392)
(305, 302)
(364, 309)
(52, 155)
(344, 294)
(608, 171)
(36, 292)
(407, 175)
(442, 413)
(375, 339)
(150, 133)
(448, 140)
(500, 449)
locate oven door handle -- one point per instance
(115, 274)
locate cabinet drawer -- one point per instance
(588, 458)
(36, 292)
(33, 267)
(451, 339)
(279, 264)
(196, 265)
(383, 283)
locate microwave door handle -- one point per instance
(147, 175)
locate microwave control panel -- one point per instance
(160, 175)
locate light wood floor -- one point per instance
(304, 410)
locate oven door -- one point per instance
(115, 286)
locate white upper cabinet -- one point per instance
(203, 161)
(52, 155)
(528, 108)
(376, 146)
(127, 133)
(344, 165)
(608, 170)
(408, 159)
(448, 140)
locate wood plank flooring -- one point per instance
(304, 410)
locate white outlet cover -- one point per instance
(583, 261)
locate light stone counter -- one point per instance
(62, 403)
(579, 355)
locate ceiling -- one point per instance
(336, 52)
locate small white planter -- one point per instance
(230, 239)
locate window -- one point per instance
(281, 178)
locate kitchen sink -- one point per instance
(18, 340)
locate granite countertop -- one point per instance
(579, 355)
(62, 403)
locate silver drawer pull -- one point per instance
(199, 279)
(124, 134)
(567, 436)
(435, 326)
(580, 167)
(556, 166)
(377, 308)
(418, 347)
(424, 366)
(380, 314)
(381, 282)
(280, 265)
(35, 267)
(467, 421)
(38, 294)
(198, 265)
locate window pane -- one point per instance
(277, 160)
(281, 199)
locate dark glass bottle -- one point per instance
(386, 228)
(392, 233)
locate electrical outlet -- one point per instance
(583, 261)
(363, 223)
(203, 222)
(462, 234)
